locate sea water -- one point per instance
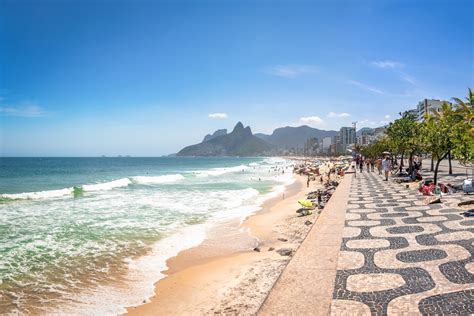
(92, 235)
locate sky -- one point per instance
(146, 78)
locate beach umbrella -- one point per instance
(306, 203)
(386, 153)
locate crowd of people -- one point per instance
(385, 165)
(380, 164)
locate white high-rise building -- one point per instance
(327, 141)
(413, 112)
(426, 106)
(347, 136)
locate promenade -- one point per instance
(391, 254)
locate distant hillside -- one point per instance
(365, 130)
(217, 133)
(294, 137)
(240, 142)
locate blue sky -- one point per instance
(144, 78)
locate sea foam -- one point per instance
(142, 274)
(219, 171)
(38, 195)
(104, 186)
(170, 178)
(107, 185)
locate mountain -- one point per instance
(240, 142)
(294, 137)
(365, 131)
(217, 133)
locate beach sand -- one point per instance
(225, 275)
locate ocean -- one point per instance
(92, 235)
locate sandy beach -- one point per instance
(233, 270)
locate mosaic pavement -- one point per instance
(402, 257)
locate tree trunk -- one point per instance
(432, 163)
(435, 178)
(449, 159)
(401, 162)
(410, 165)
(436, 172)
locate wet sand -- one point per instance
(225, 274)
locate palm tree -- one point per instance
(466, 108)
(464, 149)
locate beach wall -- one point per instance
(305, 287)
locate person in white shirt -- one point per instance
(386, 166)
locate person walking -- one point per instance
(372, 165)
(386, 166)
(367, 164)
(379, 165)
(361, 164)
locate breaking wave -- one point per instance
(94, 187)
(38, 195)
(219, 171)
(120, 183)
(157, 179)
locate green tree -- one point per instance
(403, 136)
(464, 143)
(441, 132)
(375, 150)
(358, 148)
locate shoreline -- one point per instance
(234, 268)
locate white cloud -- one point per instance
(396, 67)
(386, 117)
(387, 64)
(334, 114)
(365, 87)
(366, 122)
(291, 71)
(406, 77)
(218, 116)
(384, 122)
(312, 120)
(22, 111)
